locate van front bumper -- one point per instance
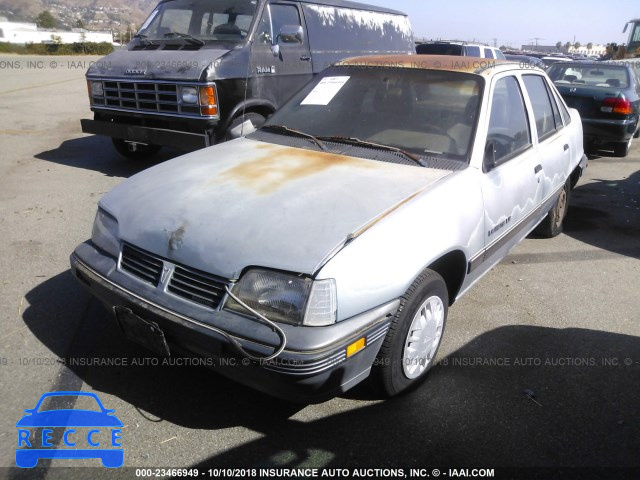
(313, 367)
(147, 135)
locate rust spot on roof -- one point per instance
(277, 166)
(427, 62)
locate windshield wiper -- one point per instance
(184, 36)
(282, 128)
(378, 146)
(143, 38)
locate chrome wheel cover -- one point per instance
(423, 338)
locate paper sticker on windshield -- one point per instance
(324, 92)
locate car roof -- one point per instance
(458, 42)
(479, 66)
(345, 4)
(593, 63)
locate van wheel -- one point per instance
(551, 226)
(235, 127)
(135, 151)
(622, 149)
(413, 339)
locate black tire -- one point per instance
(256, 120)
(551, 226)
(393, 371)
(141, 152)
(622, 149)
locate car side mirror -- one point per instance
(291, 34)
(489, 162)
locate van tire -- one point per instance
(255, 118)
(142, 152)
(551, 226)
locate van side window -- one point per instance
(486, 53)
(508, 125)
(542, 109)
(473, 51)
(274, 18)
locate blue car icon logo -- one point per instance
(92, 431)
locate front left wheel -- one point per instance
(413, 339)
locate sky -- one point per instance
(515, 23)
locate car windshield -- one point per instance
(605, 76)
(424, 112)
(202, 20)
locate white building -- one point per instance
(14, 32)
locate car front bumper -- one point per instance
(600, 132)
(313, 367)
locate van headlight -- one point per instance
(286, 298)
(97, 90)
(190, 95)
(105, 233)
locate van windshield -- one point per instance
(202, 20)
(426, 112)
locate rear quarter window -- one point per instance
(473, 51)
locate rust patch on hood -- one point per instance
(279, 166)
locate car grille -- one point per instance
(162, 98)
(141, 264)
(197, 287)
(184, 282)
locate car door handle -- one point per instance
(538, 169)
(566, 147)
(305, 58)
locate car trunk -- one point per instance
(589, 100)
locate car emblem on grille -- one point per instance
(165, 275)
(573, 90)
(135, 71)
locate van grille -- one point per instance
(185, 282)
(147, 97)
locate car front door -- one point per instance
(281, 64)
(510, 185)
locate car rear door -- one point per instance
(551, 142)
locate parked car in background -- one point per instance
(607, 95)
(328, 245)
(548, 61)
(202, 71)
(459, 48)
(526, 60)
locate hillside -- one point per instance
(113, 15)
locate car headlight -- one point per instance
(190, 95)
(97, 90)
(286, 298)
(105, 233)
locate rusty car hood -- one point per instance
(249, 203)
